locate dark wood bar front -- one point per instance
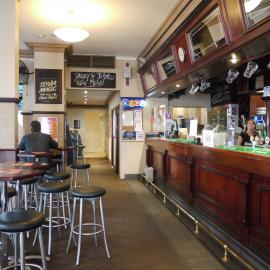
(230, 191)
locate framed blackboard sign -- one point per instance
(169, 68)
(93, 80)
(48, 84)
(220, 95)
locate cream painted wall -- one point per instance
(9, 48)
(9, 75)
(93, 127)
(114, 101)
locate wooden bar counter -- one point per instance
(228, 190)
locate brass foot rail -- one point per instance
(198, 225)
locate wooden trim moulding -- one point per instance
(48, 47)
(81, 106)
(26, 113)
(48, 112)
(174, 20)
(9, 100)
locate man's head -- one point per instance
(35, 126)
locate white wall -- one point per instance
(193, 101)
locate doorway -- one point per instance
(115, 138)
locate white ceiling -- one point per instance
(123, 28)
(94, 97)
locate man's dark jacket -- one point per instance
(37, 142)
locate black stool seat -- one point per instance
(20, 221)
(53, 187)
(57, 176)
(89, 193)
(25, 181)
(11, 192)
(80, 166)
(56, 161)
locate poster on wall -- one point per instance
(48, 86)
(49, 125)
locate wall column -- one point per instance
(9, 75)
(49, 57)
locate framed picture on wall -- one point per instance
(76, 124)
(48, 86)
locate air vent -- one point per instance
(103, 61)
(89, 61)
(79, 61)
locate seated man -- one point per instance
(37, 141)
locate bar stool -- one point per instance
(90, 194)
(18, 222)
(29, 191)
(50, 188)
(61, 177)
(74, 173)
(58, 163)
(11, 192)
(58, 176)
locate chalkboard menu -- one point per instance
(48, 84)
(221, 95)
(93, 80)
(169, 68)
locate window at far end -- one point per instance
(207, 35)
(256, 11)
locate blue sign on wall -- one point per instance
(129, 103)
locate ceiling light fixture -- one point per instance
(234, 59)
(251, 4)
(162, 92)
(71, 34)
(178, 85)
(85, 92)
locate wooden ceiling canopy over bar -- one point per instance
(234, 35)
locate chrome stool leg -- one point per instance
(42, 250)
(103, 227)
(80, 232)
(71, 225)
(50, 227)
(22, 258)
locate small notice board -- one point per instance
(132, 125)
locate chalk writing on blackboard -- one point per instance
(169, 68)
(221, 95)
(93, 79)
(48, 83)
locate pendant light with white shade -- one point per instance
(71, 33)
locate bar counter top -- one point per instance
(255, 160)
(228, 186)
